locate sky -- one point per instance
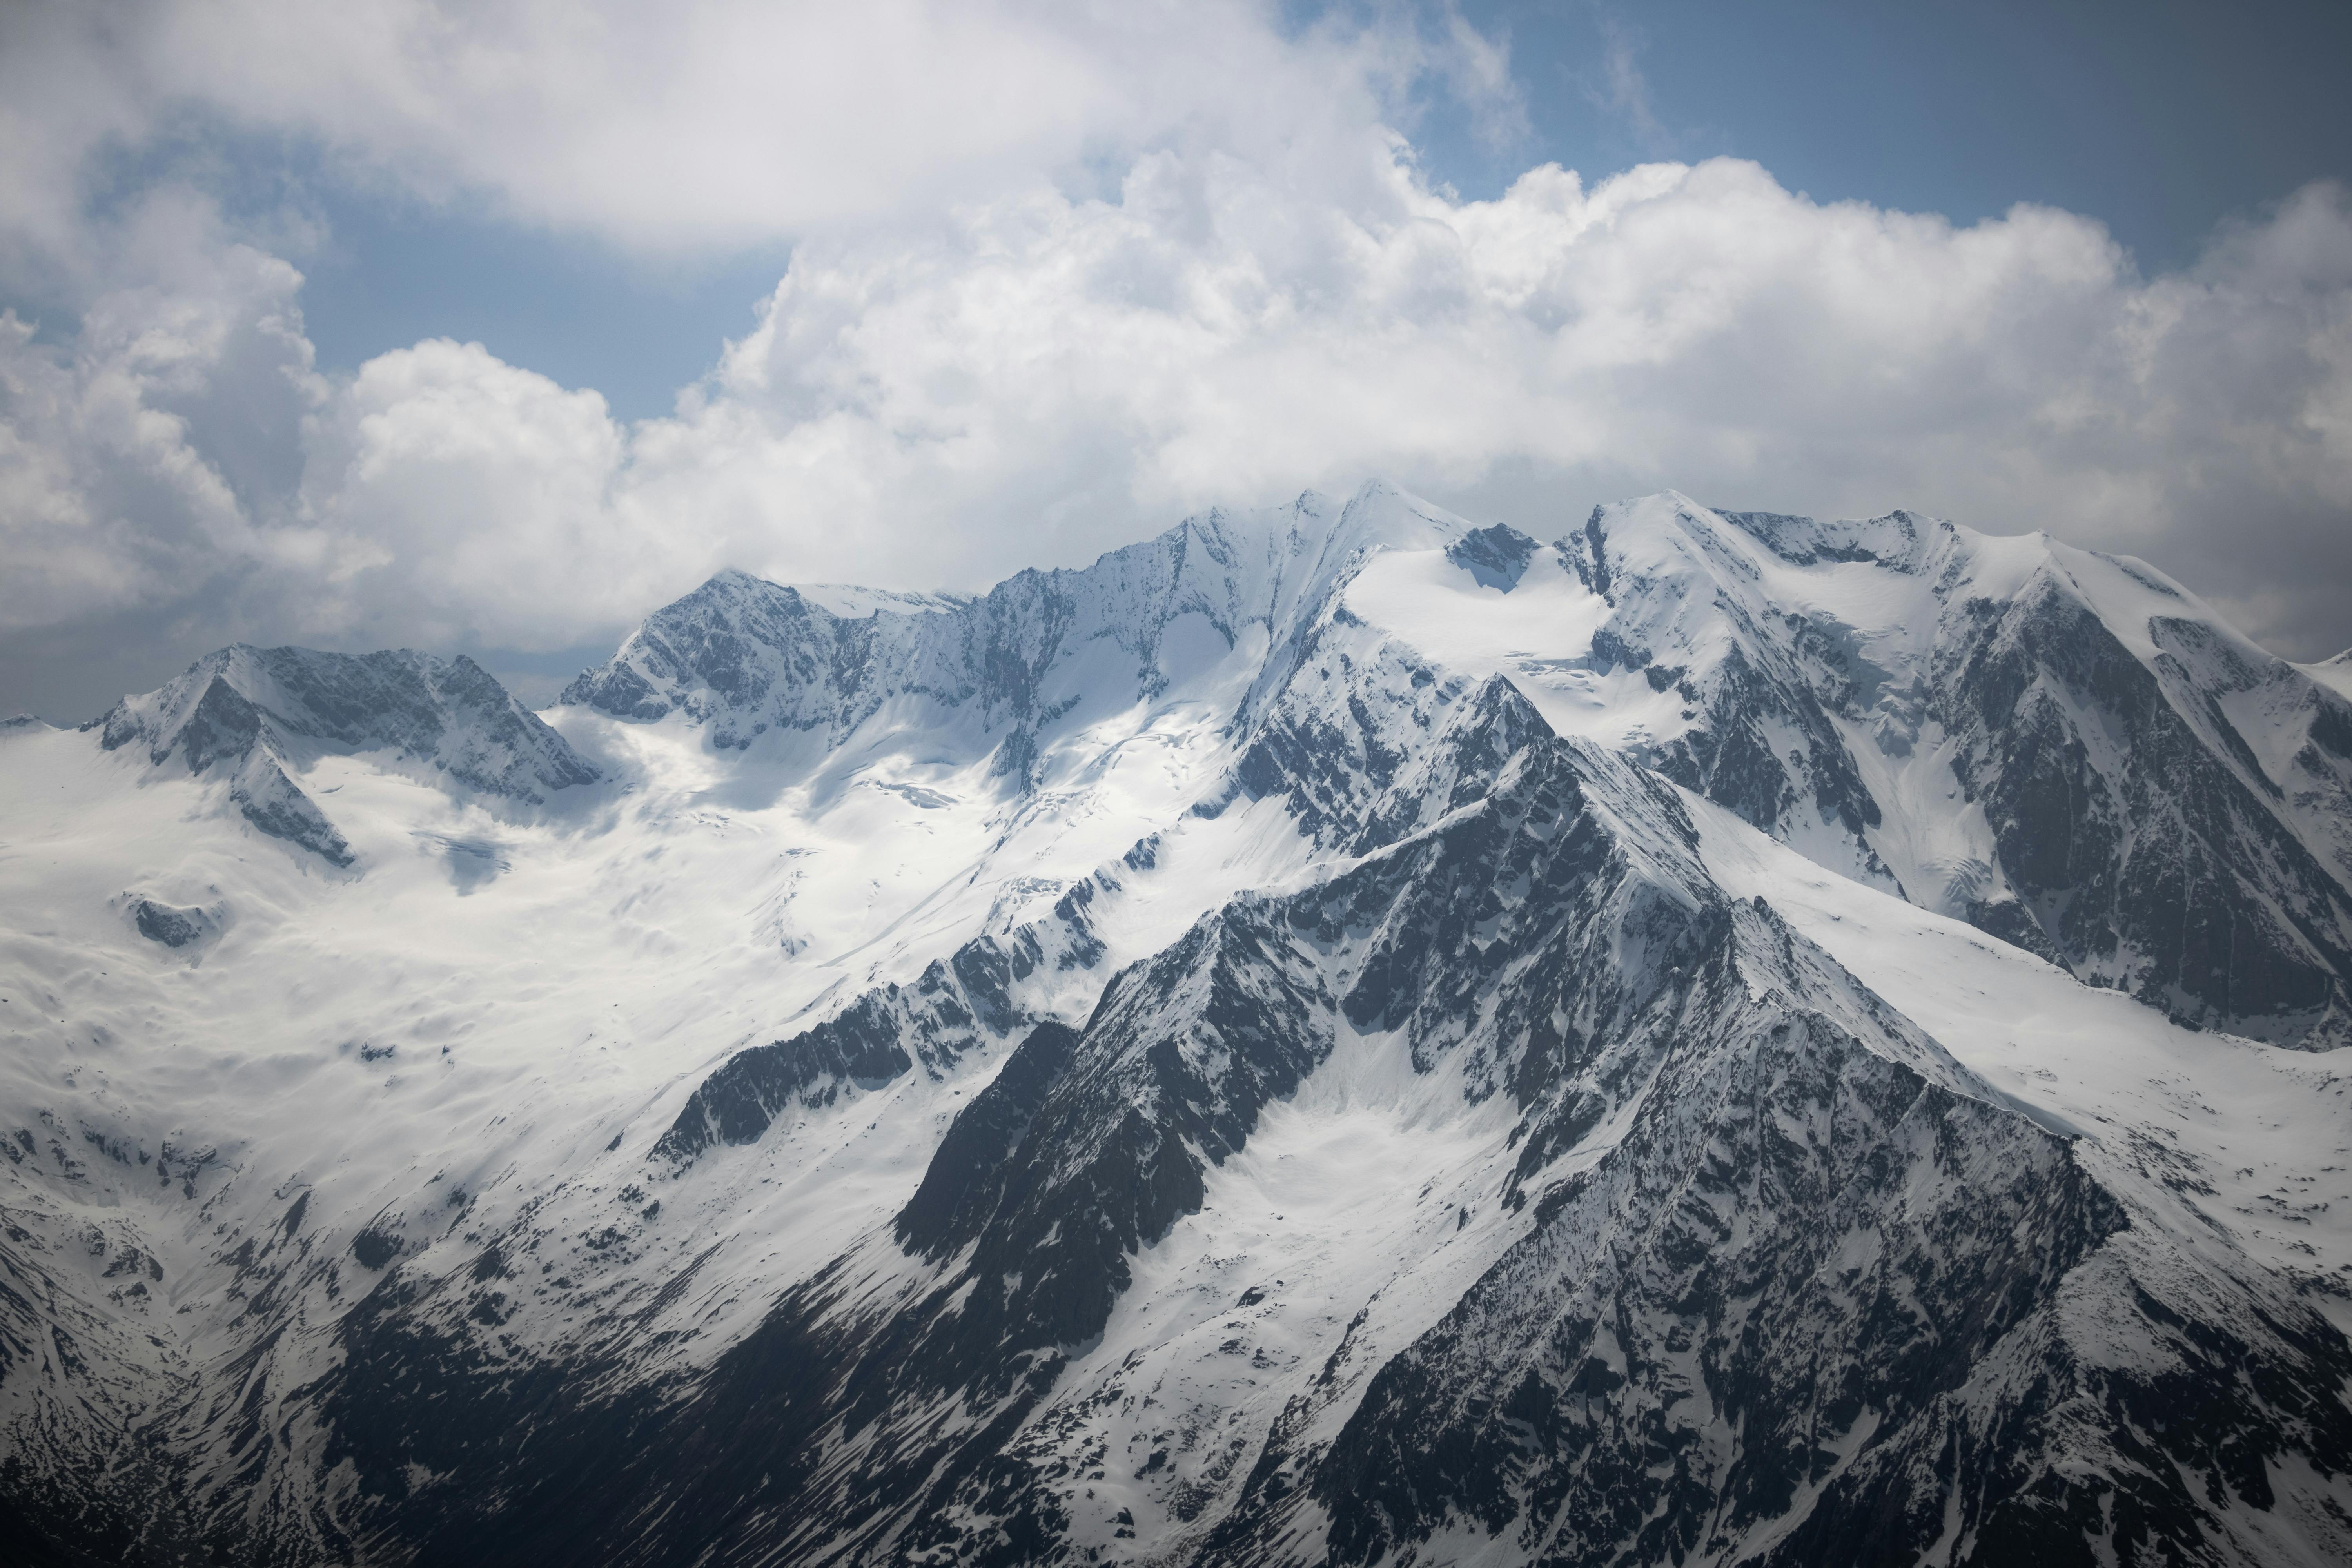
(489, 327)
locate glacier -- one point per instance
(1334, 1035)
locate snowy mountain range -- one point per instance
(1334, 1035)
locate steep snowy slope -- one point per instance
(1178, 1062)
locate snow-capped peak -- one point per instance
(745, 658)
(2335, 674)
(253, 716)
(450, 716)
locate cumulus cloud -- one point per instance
(1042, 367)
(156, 456)
(710, 123)
(473, 502)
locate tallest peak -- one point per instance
(734, 582)
(1383, 512)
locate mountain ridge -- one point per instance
(1331, 1033)
(254, 715)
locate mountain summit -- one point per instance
(248, 714)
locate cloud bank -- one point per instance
(978, 360)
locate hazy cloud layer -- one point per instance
(973, 364)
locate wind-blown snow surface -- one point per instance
(1227, 1055)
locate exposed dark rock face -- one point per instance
(170, 926)
(865, 1044)
(374, 1248)
(1498, 556)
(2147, 859)
(951, 1007)
(965, 1176)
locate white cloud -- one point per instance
(470, 502)
(708, 123)
(156, 457)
